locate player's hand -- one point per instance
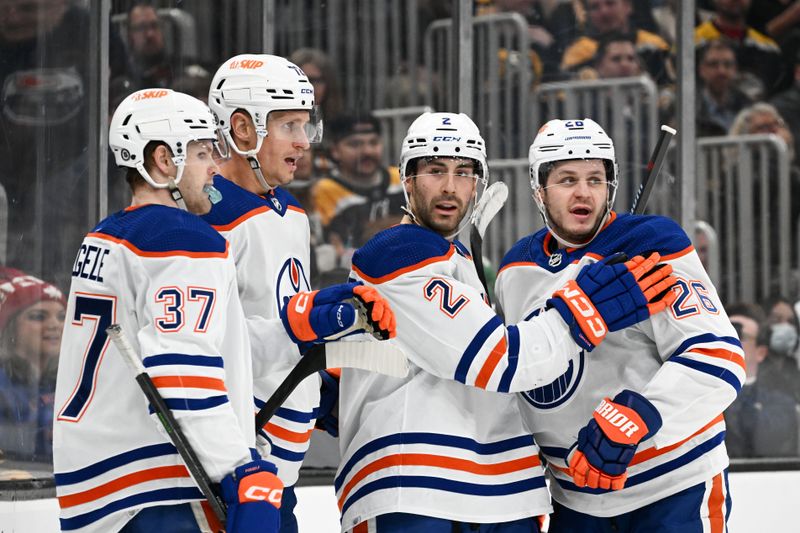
(610, 295)
(376, 314)
(330, 313)
(606, 445)
(253, 493)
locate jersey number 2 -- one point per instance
(448, 303)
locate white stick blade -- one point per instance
(491, 202)
(381, 357)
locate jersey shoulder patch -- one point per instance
(639, 235)
(400, 249)
(156, 230)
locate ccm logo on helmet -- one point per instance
(264, 494)
(445, 138)
(149, 94)
(578, 302)
(246, 63)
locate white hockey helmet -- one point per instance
(564, 140)
(261, 84)
(173, 118)
(444, 135)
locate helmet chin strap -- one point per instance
(252, 159)
(172, 185)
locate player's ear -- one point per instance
(162, 160)
(242, 130)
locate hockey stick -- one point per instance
(176, 435)
(653, 170)
(492, 200)
(381, 357)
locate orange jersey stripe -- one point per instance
(243, 218)
(491, 363)
(650, 453)
(287, 434)
(716, 501)
(296, 208)
(439, 461)
(721, 353)
(193, 382)
(362, 527)
(676, 255)
(151, 474)
(171, 253)
(399, 272)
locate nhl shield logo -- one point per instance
(555, 260)
(276, 203)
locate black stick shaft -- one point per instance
(653, 170)
(310, 364)
(182, 444)
(476, 248)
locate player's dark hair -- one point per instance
(132, 176)
(413, 165)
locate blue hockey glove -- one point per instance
(253, 493)
(329, 396)
(319, 316)
(606, 445)
(608, 296)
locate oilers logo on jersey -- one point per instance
(291, 280)
(563, 387)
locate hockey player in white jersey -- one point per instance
(632, 432)
(443, 450)
(265, 109)
(169, 279)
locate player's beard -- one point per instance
(425, 215)
(574, 237)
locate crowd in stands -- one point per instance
(748, 82)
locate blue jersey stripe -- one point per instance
(115, 461)
(182, 359)
(554, 451)
(712, 370)
(282, 453)
(292, 415)
(136, 500)
(513, 359)
(194, 404)
(446, 485)
(705, 337)
(436, 439)
(474, 347)
(656, 471)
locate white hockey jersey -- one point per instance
(168, 278)
(687, 361)
(269, 238)
(429, 444)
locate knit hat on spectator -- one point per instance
(19, 291)
(352, 123)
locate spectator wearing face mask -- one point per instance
(780, 368)
(762, 421)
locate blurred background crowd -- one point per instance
(375, 66)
